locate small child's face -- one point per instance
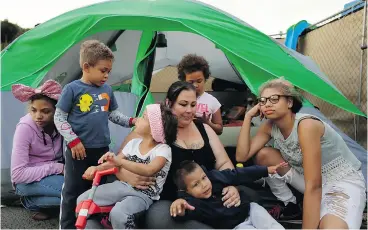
(197, 80)
(142, 126)
(98, 74)
(198, 185)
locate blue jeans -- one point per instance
(45, 193)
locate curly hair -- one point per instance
(287, 89)
(170, 123)
(192, 63)
(92, 51)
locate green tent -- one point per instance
(255, 56)
(236, 51)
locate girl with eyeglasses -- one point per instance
(321, 165)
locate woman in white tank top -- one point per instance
(321, 165)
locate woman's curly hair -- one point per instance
(192, 63)
(287, 89)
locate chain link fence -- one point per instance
(338, 46)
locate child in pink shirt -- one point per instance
(195, 70)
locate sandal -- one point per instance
(40, 216)
(105, 222)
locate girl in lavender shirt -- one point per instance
(36, 162)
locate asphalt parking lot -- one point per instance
(16, 217)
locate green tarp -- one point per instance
(255, 55)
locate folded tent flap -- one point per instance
(143, 69)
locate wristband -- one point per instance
(131, 122)
(74, 142)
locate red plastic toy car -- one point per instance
(87, 207)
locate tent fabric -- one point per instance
(144, 55)
(10, 121)
(183, 43)
(67, 69)
(309, 64)
(127, 103)
(255, 55)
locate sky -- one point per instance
(268, 16)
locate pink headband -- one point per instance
(155, 121)
(50, 88)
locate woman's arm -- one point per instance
(20, 171)
(137, 181)
(222, 159)
(310, 132)
(245, 147)
(216, 122)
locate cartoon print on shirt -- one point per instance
(85, 101)
(104, 96)
(94, 103)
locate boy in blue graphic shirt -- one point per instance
(81, 117)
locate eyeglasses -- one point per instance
(273, 99)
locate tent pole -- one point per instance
(362, 47)
(235, 70)
(114, 38)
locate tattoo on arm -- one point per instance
(63, 126)
(119, 118)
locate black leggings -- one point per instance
(74, 184)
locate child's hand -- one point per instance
(134, 120)
(255, 112)
(90, 173)
(272, 169)
(79, 152)
(109, 156)
(179, 206)
(206, 118)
